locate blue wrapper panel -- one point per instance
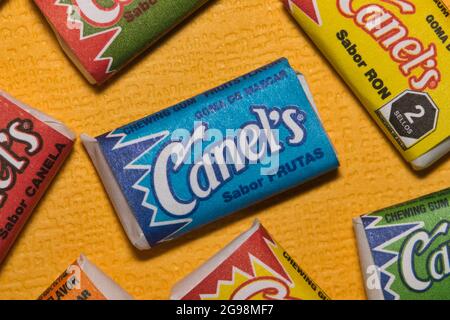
(268, 108)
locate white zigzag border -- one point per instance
(148, 168)
(99, 57)
(235, 270)
(381, 248)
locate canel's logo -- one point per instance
(11, 163)
(270, 288)
(417, 61)
(97, 15)
(425, 258)
(211, 167)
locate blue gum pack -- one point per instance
(217, 153)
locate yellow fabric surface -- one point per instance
(224, 40)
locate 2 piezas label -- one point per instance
(410, 117)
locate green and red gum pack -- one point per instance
(102, 36)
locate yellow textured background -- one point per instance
(224, 40)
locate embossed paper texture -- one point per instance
(223, 40)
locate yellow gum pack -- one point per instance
(395, 56)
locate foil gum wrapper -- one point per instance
(33, 147)
(84, 281)
(101, 37)
(405, 249)
(212, 155)
(395, 56)
(252, 267)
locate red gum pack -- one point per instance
(33, 146)
(252, 267)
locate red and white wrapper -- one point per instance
(33, 146)
(252, 267)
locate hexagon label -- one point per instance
(410, 117)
